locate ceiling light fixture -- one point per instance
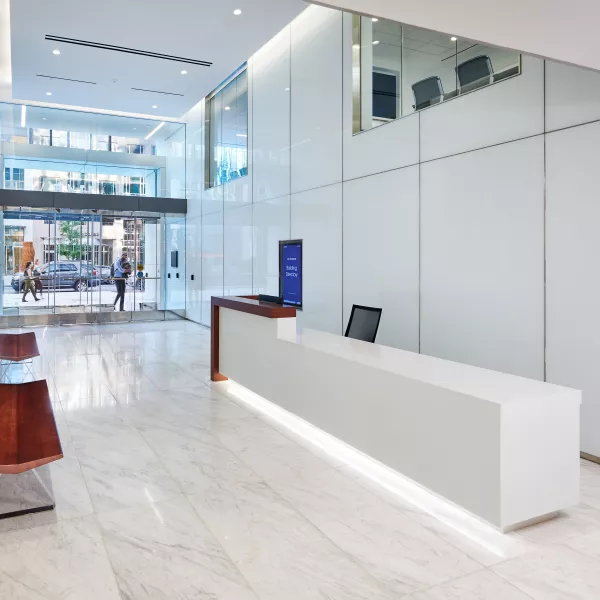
(287, 89)
(241, 135)
(375, 42)
(56, 51)
(23, 115)
(48, 93)
(453, 39)
(184, 72)
(154, 130)
(374, 19)
(155, 106)
(228, 108)
(44, 119)
(237, 12)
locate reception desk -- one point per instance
(504, 448)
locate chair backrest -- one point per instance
(427, 92)
(475, 71)
(363, 323)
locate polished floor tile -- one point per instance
(166, 551)
(173, 488)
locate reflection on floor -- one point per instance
(172, 490)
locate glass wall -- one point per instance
(399, 69)
(46, 149)
(227, 132)
(73, 252)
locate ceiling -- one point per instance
(187, 30)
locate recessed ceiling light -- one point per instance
(56, 51)
(374, 19)
(48, 93)
(237, 12)
(44, 119)
(228, 108)
(287, 89)
(453, 39)
(375, 42)
(155, 106)
(184, 72)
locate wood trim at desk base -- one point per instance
(214, 344)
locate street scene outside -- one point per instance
(75, 258)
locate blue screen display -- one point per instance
(291, 273)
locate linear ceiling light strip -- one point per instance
(101, 46)
(66, 79)
(157, 92)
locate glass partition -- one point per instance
(399, 69)
(227, 132)
(72, 253)
(47, 149)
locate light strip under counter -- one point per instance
(503, 448)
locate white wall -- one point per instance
(444, 218)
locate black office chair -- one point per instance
(427, 92)
(475, 73)
(363, 323)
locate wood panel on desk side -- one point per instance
(248, 304)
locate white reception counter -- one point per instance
(502, 447)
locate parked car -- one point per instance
(62, 274)
(105, 274)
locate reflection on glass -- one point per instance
(228, 132)
(399, 69)
(80, 153)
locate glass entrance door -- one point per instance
(74, 253)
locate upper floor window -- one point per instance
(227, 132)
(399, 69)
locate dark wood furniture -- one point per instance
(28, 434)
(28, 439)
(247, 304)
(16, 347)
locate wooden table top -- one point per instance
(18, 346)
(28, 434)
(252, 305)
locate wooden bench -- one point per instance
(28, 434)
(16, 347)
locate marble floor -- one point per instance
(171, 488)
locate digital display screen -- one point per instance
(290, 278)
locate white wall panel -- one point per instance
(572, 95)
(502, 112)
(195, 159)
(573, 259)
(212, 261)
(237, 193)
(271, 225)
(212, 200)
(482, 258)
(237, 245)
(193, 253)
(317, 219)
(316, 110)
(381, 252)
(271, 118)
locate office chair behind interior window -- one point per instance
(427, 92)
